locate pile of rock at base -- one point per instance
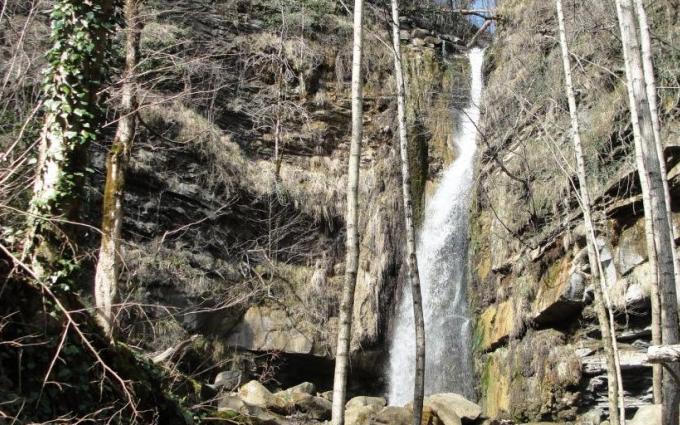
(296, 405)
(255, 404)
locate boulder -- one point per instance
(445, 403)
(632, 290)
(256, 394)
(314, 407)
(433, 40)
(420, 33)
(632, 248)
(305, 388)
(270, 329)
(428, 418)
(394, 415)
(446, 414)
(232, 403)
(592, 417)
(359, 415)
(228, 379)
(647, 415)
(440, 409)
(263, 417)
(373, 403)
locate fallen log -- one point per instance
(663, 353)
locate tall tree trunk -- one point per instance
(603, 309)
(650, 85)
(657, 223)
(77, 66)
(352, 238)
(108, 266)
(412, 260)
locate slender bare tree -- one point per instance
(351, 221)
(603, 306)
(657, 224)
(650, 85)
(108, 266)
(411, 259)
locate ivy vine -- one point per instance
(78, 66)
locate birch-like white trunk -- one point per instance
(108, 266)
(657, 224)
(602, 305)
(411, 258)
(650, 85)
(351, 221)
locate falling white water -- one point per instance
(442, 260)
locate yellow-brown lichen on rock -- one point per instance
(532, 378)
(495, 324)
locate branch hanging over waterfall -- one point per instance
(488, 14)
(481, 30)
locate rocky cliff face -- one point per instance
(539, 355)
(235, 198)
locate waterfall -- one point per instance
(442, 259)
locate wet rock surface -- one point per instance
(537, 336)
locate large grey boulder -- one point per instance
(446, 413)
(359, 415)
(450, 408)
(445, 403)
(632, 249)
(228, 379)
(255, 414)
(592, 417)
(393, 415)
(373, 403)
(647, 415)
(420, 32)
(305, 387)
(313, 407)
(289, 395)
(232, 403)
(255, 394)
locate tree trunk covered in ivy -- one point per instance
(108, 266)
(77, 67)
